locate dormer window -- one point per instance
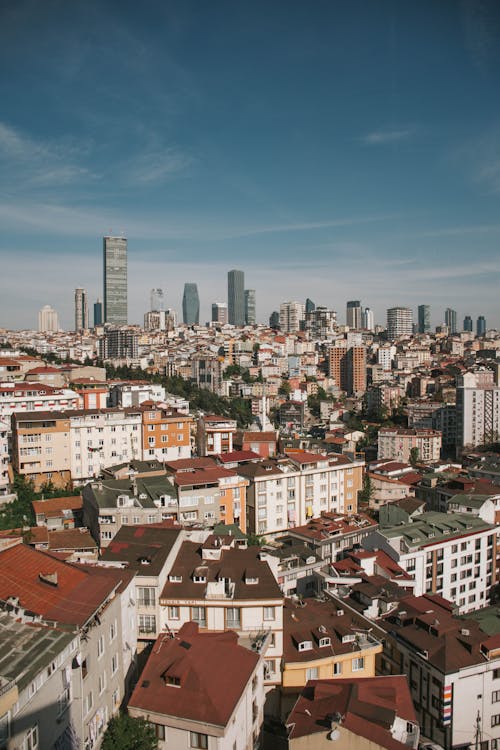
(173, 681)
(305, 646)
(325, 641)
(251, 579)
(175, 579)
(197, 578)
(349, 638)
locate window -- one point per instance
(146, 596)
(100, 646)
(4, 729)
(102, 682)
(305, 646)
(63, 701)
(198, 740)
(159, 731)
(173, 613)
(114, 664)
(337, 668)
(269, 613)
(198, 615)
(312, 673)
(112, 631)
(147, 624)
(31, 738)
(233, 617)
(495, 720)
(358, 664)
(89, 702)
(495, 696)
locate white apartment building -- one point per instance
(397, 443)
(286, 492)
(134, 394)
(291, 316)
(20, 398)
(450, 554)
(478, 410)
(213, 692)
(103, 437)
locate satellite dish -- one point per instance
(334, 735)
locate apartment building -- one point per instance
(215, 435)
(478, 410)
(59, 512)
(201, 690)
(166, 433)
(71, 700)
(331, 534)
(230, 489)
(149, 551)
(285, 492)
(221, 585)
(321, 640)
(453, 669)
(4, 457)
(41, 447)
(450, 554)
(109, 504)
(22, 398)
(397, 443)
(347, 366)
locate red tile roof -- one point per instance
(213, 671)
(57, 504)
(367, 706)
(76, 596)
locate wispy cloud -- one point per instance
(383, 137)
(37, 162)
(157, 166)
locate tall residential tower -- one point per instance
(115, 280)
(190, 305)
(81, 310)
(236, 297)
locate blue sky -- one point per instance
(330, 150)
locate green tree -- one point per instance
(253, 540)
(126, 732)
(285, 388)
(366, 494)
(414, 456)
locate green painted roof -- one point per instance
(432, 527)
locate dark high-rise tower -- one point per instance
(98, 313)
(115, 280)
(190, 305)
(310, 306)
(424, 318)
(481, 326)
(468, 324)
(450, 319)
(236, 297)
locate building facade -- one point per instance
(115, 280)
(236, 297)
(190, 305)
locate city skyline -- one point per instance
(391, 197)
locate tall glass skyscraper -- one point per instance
(250, 307)
(468, 324)
(190, 305)
(98, 313)
(450, 319)
(236, 298)
(424, 318)
(354, 314)
(115, 280)
(157, 299)
(481, 325)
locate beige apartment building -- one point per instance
(41, 447)
(397, 443)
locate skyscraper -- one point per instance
(424, 318)
(48, 320)
(450, 319)
(291, 316)
(98, 313)
(157, 299)
(310, 305)
(250, 318)
(353, 314)
(219, 312)
(468, 324)
(399, 322)
(481, 325)
(368, 319)
(274, 320)
(81, 310)
(236, 297)
(115, 280)
(190, 305)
